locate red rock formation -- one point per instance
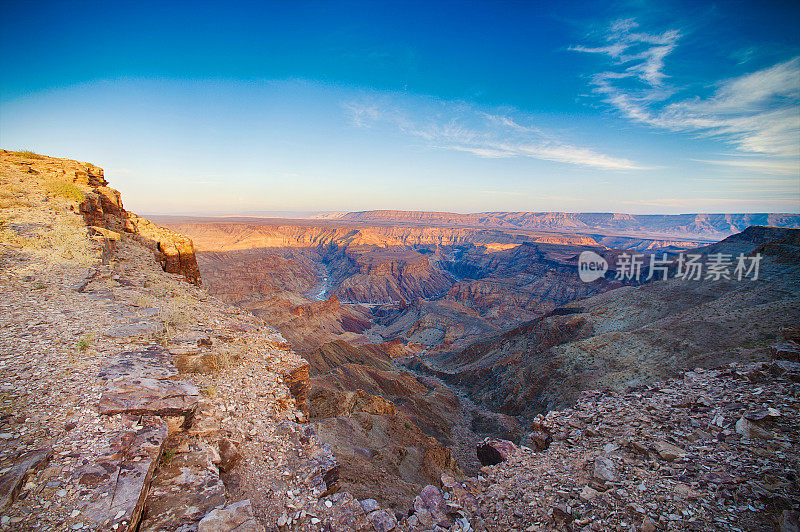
(174, 251)
(101, 207)
(296, 380)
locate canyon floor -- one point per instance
(146, 385)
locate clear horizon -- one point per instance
(452, 107)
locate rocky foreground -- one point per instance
(133, 400)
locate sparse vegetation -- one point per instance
(145, 301)
(64, 189)
(220, 359)
(85, 341)
(175, 317)
(28, 153)
(167, 455)
(210, 390)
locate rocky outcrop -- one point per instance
(140, 383)
(117, 480)
(296, 379)
(85, 186)
(185, 488)
(663, 456)
(173, 251)
(236, 517)
(23, 464)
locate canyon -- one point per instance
(468, 326)
(352, 374)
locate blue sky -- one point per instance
(643, 107)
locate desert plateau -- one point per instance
(400, 267)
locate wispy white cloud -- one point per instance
(462, 127)
(765, 166)
(756, 113)
(638, 54)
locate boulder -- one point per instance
(491, 452)
(751, 429)
(786, 351)
(430, 502)
(382, 520)
(540, 436)
(667, 451)
(229, 455)
(605, 469)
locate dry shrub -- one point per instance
(64, 189)
(175, 318)
(28, 153)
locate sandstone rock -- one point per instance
(647, 525)
(587, 494)
(144, 396)
(173, 251)
(229, 455)
(764, 414)
(182, 492)
(152, 363)
(491, 452)
(751, 429)
(786, 351)
(236, 517)
(540, 436)
(11, 481)
(605, 469)
(667, 451)
(382, 520)
(786, 369)
(562, 513)
(119, 477)
(430, 506)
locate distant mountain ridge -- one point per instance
(707, 226)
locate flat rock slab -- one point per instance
(153, 363)
(117, 479)
(22, 465)
(142, 328)
(138, 382)
(182, 492)
(144, 396)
